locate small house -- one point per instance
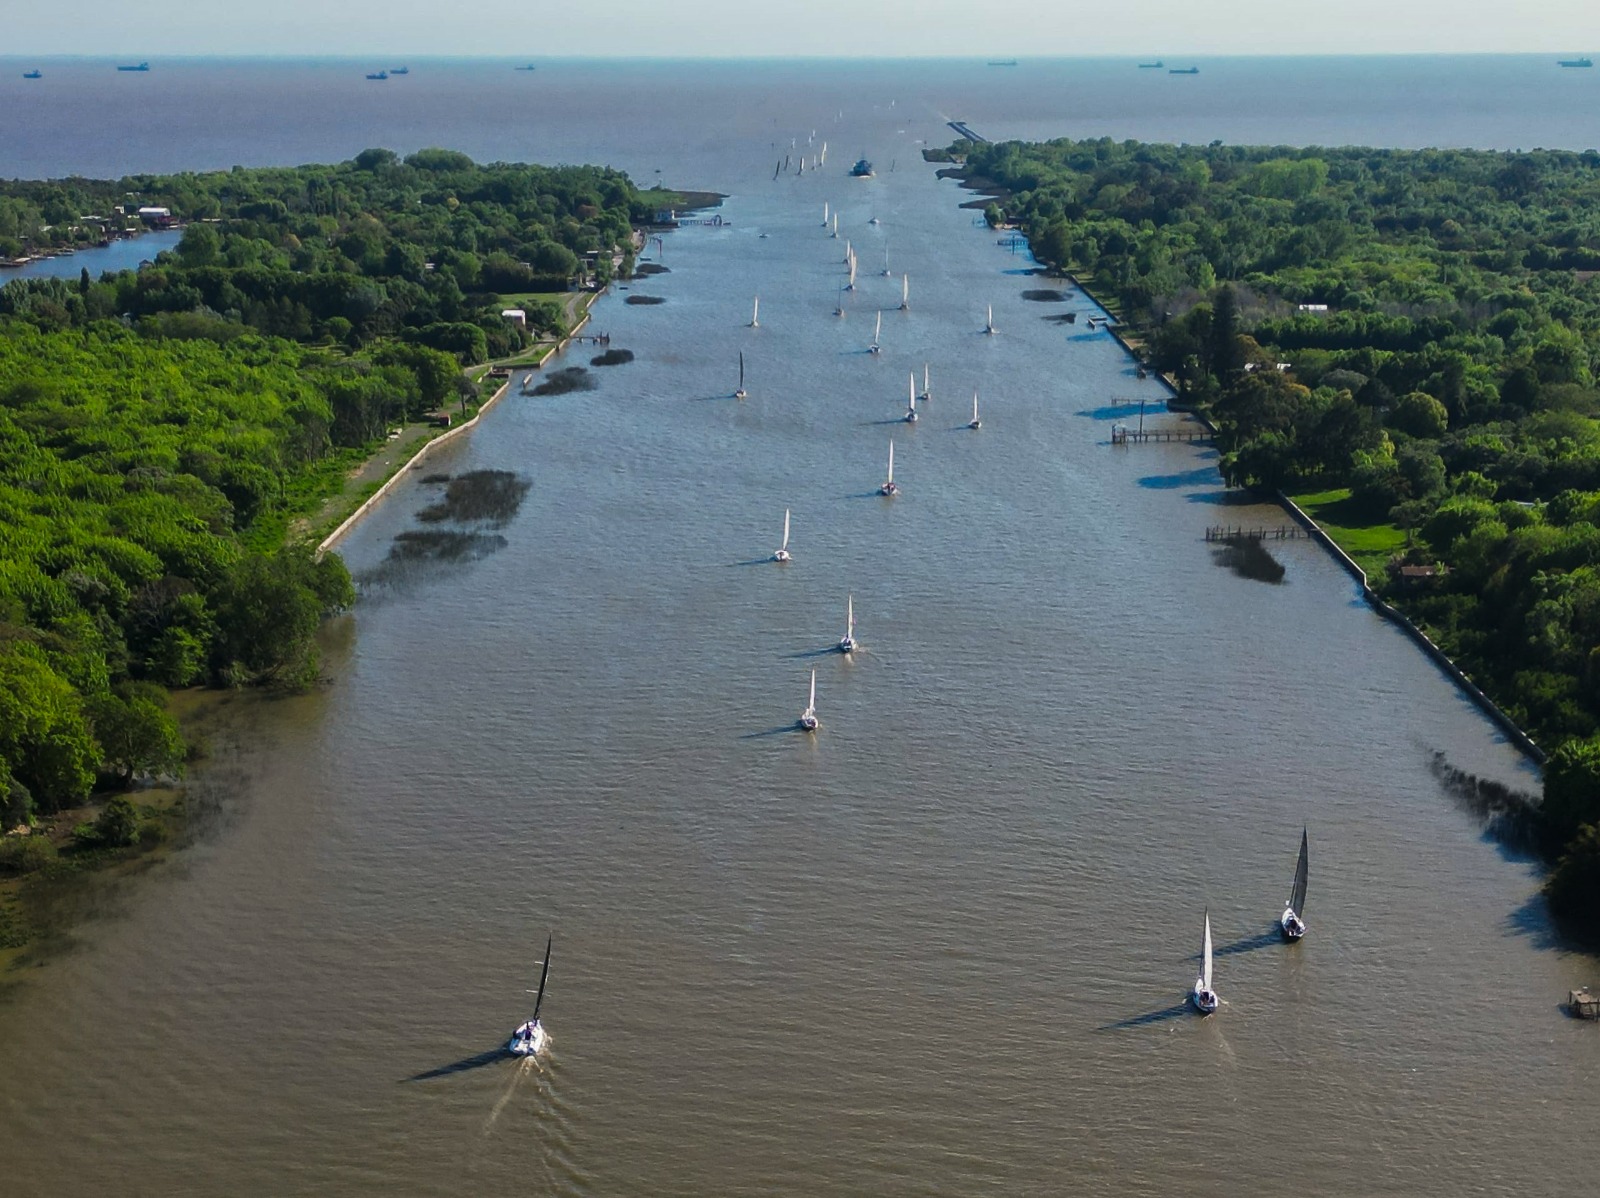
(516, 316)
(158, 217)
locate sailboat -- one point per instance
(847, 643)
(889, 487)
(849, 254)
(530, 1038)
(755, 314)
(838, 307)
(975, 422)
(824, 214)
(905, 293)
(877, 331)
(926, 393)
(911, 404)
(1203, 996)
(988, 322)
(740, 393)
(851, 285)
(836, 226)
(886, 271)
(808, 717)
(823, 157)
(1292, 921)
(782, 555)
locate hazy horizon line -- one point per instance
(987, 58)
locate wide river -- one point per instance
(939, 947)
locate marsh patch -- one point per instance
(1248, 558)
(567, 379)
(651, 268)
(489, 497)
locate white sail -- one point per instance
(886, 271)
(755, 314)
(988, 322)
(912, 375)
(877, 328)
(851, 285)
(849, 254)
(891, 459)
(850, 618)
(785, 544)
(824, 153)
(905, 292)
(925, 391)
(824, 214)
(974, 409)
(836, 224)
(1205, 958)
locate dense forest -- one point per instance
(159, 428)
(1412, 336)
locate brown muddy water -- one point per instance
(938, 948)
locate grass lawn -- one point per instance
(1370, 544)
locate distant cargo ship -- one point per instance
(1576, 62)
(1184, 71)
(399, 70)
(1152, 66)
(1003, 62)
(143, 66)
(529, 67)
(378, 75)
(861, 170)
(33, 74)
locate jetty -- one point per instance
(1282, 532)
(966, 131)
(1123, 435)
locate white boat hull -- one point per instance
(1291, 925)
(1204, 1000)
(529, 1040)
(847, 645)
(781, 556)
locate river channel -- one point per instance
(939, 947)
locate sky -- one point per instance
(795, 28)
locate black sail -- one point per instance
(1297, 895)
(542, 978)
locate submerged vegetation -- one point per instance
(163, 429)
(1411, 337)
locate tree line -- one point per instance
(1418, 327)
(161, 428)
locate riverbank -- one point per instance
(368, 483)
(1373, 545)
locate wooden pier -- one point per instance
(1121, 435)
(1229, 532)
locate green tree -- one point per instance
(1419, 414)
(44, 738)
(135, 733)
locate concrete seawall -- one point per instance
(1506, 724)
(428, 447)
(1513, 732)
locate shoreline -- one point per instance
(1514, 732)
(410, 463)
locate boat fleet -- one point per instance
(1291, 924)
(530, 1038)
